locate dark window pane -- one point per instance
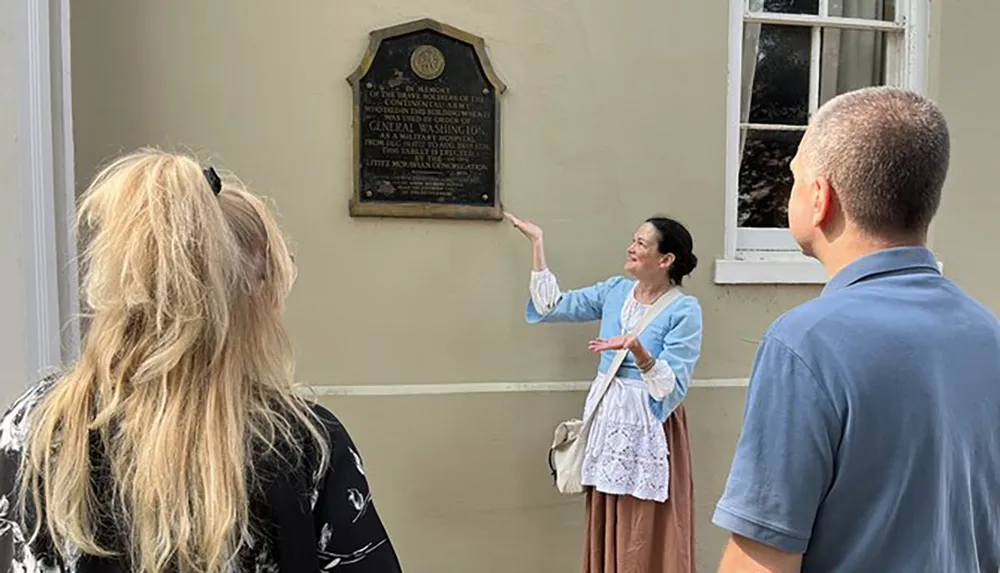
(780, 74)
(787, 6)
(765, 177)
(850, 60)
(884, 10)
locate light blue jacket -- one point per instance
(674, 336)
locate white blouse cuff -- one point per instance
(544, 291)
(660, 380)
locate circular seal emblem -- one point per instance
(427, 62)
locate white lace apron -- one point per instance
(626, 452)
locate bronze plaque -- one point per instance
(426, 125)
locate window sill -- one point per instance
(795, 270)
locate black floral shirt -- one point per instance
(305, 520)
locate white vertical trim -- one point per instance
(734, 81)
(42, 340)
(46, 142)
(815, 61)
(69, 319)
(895, 63)
(918, 28)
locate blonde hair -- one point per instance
(185, 374)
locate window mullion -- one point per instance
(781, 19)
(816, 59)
(772, 127)
(895, 62)
(814, 68)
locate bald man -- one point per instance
(871, 438)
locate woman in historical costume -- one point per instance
(637, 466)
(176, 442)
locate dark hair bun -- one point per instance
(674, 238)
(685, 263)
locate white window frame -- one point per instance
(771, 256)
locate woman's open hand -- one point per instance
(616, 343)
(530, 230)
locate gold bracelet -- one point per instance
(647, 365)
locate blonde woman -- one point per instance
(176, 443)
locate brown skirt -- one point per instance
(630, 535)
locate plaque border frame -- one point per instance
(357, 208)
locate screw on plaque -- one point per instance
(486, 197)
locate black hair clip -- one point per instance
(213, 180)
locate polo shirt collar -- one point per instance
(883, 262)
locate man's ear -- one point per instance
(825, 202)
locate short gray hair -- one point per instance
(885, 151)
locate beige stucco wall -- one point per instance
(966, 234)
(615, 111)
(13, 367)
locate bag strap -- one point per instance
(661, 303)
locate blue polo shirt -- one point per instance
(871, 438)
